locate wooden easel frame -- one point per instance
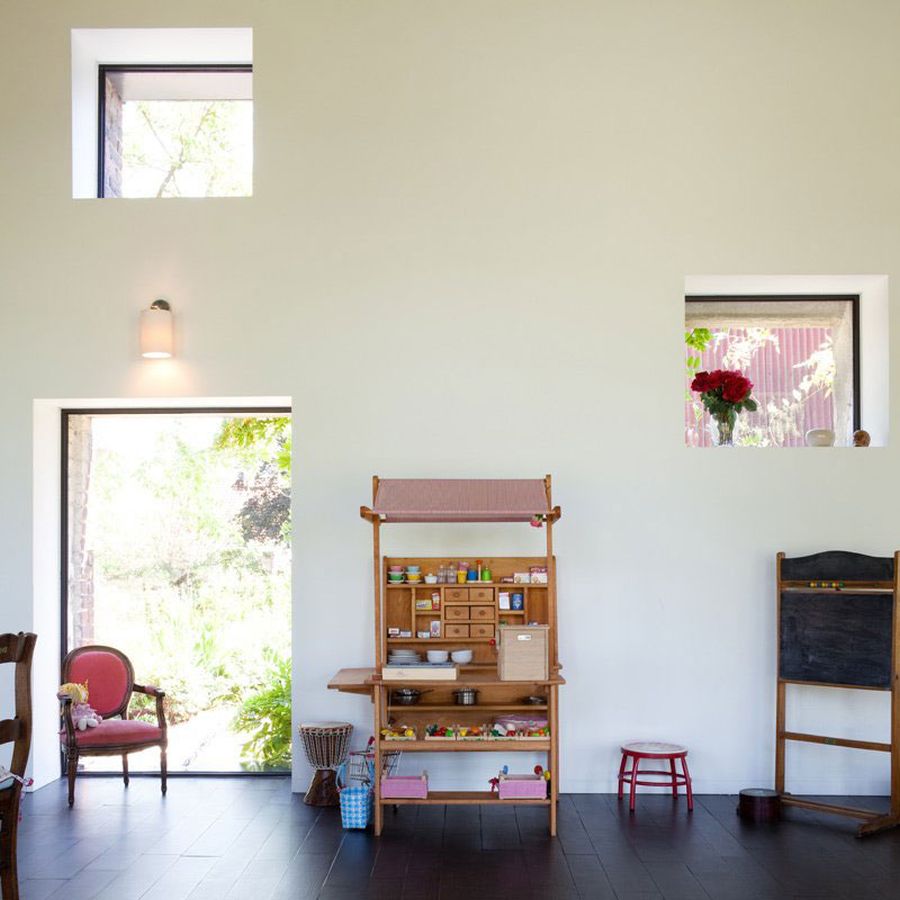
(871, 821)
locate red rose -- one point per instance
(736, 387)
(700, 384)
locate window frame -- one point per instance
(852, 299)
(63, 536)
(104, 69)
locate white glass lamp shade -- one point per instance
(156, 331)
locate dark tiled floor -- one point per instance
(251, 838)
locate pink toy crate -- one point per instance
(523, 787)
(395, 787)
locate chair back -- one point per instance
(109, 676)
(18, 649)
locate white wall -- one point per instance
(485, 212)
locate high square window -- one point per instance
(801, 354)
(162, 112)
(175, 131)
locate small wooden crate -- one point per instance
(519, 787)
(522, 652)
(405, 786)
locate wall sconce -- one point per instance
(156, 331)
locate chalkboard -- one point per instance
(836, 638)
(838, 565)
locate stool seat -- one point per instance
(662, 750)
(654, 749)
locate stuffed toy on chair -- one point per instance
(84, 716)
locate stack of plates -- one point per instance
(400, 657)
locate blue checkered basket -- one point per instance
(356, 802)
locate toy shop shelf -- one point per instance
(467, 640)
(523, 746)
(451, 798)
(490, 707)
(482, 678)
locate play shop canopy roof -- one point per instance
(461, 500)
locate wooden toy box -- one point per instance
(522, 652)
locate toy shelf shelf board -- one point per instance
(466, 615)
(508, 746)
(487, 707)
(451, 798)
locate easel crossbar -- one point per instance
(852, 812)
(835, 742)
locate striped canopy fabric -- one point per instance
(460, 500)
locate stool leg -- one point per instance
(622, 773)
(674, 779)
(634, 774)
(687, 784)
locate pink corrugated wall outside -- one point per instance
(774, 376)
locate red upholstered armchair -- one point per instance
(110, 679)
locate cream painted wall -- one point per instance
(484, 212)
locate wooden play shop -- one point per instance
(475, 639)
(839, 626)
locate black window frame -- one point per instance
(854, 301)
(105, 69)
(261, 411)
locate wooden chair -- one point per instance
(18, 649)
(110, 679)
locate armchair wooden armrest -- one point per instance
(152, 691)
(68, 722)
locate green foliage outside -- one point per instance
(187, 148)
(266, 716)
(201, 608)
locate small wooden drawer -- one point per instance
(456, 612)
(479, 630)
(485, 613)
(458, 631)
(456, 595)
(481, 595)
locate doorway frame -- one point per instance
(64, 413)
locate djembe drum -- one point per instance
(325, 744)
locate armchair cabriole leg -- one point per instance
(125, 768)
(71, 772)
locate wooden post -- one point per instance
(376, 549)
(780, 695)
(554, 755)
(551, 584)
(379, 705)
(779, 736)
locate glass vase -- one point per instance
(724, 432)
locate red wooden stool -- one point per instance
(639, 750)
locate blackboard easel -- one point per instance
(838, 626)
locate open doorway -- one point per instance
(176, 532)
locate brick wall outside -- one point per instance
(112, 160)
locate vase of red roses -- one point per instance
(724, 393)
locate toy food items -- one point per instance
(398, 733)
(436, 732)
